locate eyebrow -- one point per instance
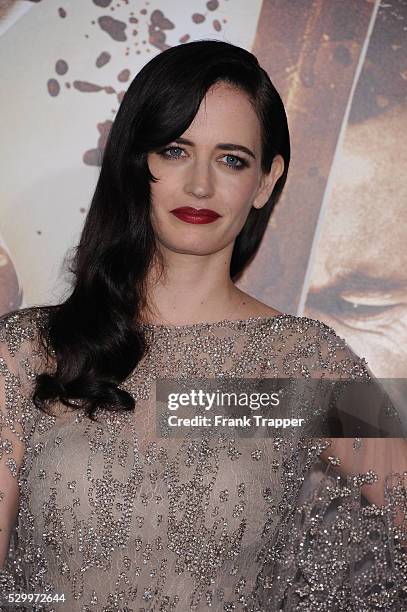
(224, 146)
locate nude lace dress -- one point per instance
(119, 519)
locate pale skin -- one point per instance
(196, 286)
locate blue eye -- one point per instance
(241, 163)
(170, 149)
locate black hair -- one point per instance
(95, 334)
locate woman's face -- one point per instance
(205, 173)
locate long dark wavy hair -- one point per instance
(95, 335)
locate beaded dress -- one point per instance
(119, 519)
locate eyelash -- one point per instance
(240, 159)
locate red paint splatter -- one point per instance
(124, 75)
(103, 59)
(198, 18)
(158, 24)
(113, 27)
(62, 13)
(212, 5)
(87, 87)
(53, 87)
(157, 39)
(184, 38)
(102, 3)
(93, 157)
(216, 25)
(61, 67)
(159, 20)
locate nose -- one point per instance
(198, 181)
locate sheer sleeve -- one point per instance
(344, 544)
(16, 415)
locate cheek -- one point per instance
(163, 193)
(239, 193)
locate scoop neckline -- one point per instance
(222, 323)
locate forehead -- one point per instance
(226, 114)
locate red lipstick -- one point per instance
(195, 215)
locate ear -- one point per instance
(268, 181)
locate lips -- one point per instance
(194, 215)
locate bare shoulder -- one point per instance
(250, 307)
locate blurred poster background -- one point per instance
(335, 249)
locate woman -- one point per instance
(98, 506)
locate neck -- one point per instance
(191, 289)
